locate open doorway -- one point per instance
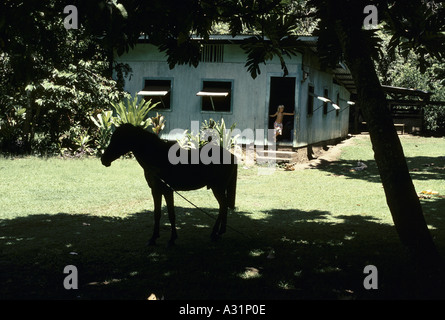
(282, 92)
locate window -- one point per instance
(157, 91)
(325, 102)
(216, 96)
(212, 53)
(310, 100)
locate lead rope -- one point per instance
(200, 209)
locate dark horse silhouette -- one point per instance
(164, 177)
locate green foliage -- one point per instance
(409, 75)
(191, 141)
(58, 76)
(417, 27)
(82, 142)
(75, 142)
(224, 136)
(104, 123)
(56, 98)
(403, 69)
(158, 123)
(274, 34)
(211, 131)
(129, 110)
(10, 124)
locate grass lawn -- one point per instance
(304, 234)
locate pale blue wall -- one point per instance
(250, 97)
(318, 126)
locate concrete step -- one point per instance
(277, 155)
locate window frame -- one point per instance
(169, 93)
(202, 96)
(310, 99)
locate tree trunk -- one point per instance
(401, 195)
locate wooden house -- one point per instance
(221, 87)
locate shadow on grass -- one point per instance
(288, 254)
(421, 168)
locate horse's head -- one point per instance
(120, 143)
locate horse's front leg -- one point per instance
(171, 216)
(221, 222)
(157, 199)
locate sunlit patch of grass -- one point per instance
(256, 252)
(250, 273)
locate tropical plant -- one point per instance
(75, 142)
(191, 141)
(104, 122)
(157, 123)
(57, 76)
(404, 71)
(82, 143)
(224, 136)
(129, 110)
(211, 131)
(10, 129)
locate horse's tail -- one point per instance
(231, 188)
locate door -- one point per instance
(282, 92)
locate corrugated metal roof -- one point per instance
(406, 91)
(342, 75)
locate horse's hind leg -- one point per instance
(220, 225)
(171, 216)
(157, 199)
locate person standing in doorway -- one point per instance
(278, 124)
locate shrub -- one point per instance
(211, 131)
(130, 111)
(104, 124)
(127, 111)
